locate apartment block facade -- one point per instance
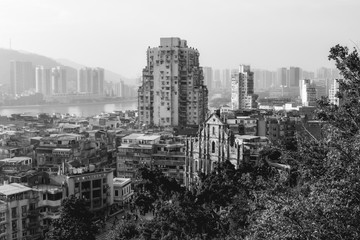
(91, 80)
(22, 77)
(308, 93)
(172, 91)
(242, 89)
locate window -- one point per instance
(14, 225)
(116, 193)
(213, 131)
(13, 212)
(213, 147)
(3, 229)
(23, 209)
(2, 216)
(32, 206)
(23, 223)
(55, 197)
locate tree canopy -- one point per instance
(75, 222)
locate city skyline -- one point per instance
(278, 33)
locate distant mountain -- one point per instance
(69, 63)
(7, 55)
(109, 75)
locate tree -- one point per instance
(75, 222)
(152, 188)
(325, 202)
(125, 231)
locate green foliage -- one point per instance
(325, 202)
(125, 230)
(75, 222)
(153, 187)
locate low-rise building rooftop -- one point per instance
(13, 188)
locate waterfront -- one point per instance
(82, 109)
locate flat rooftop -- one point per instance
(149, 137)
(47, 187)
(13, 188)
(121, 181)
(133, 136)
(15, 159)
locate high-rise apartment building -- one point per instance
(119, 89)
(264, 79)
(43, 80)
(84, 83)
(59, 80)
(242, 89)
(172, 92)
(91, 80)
(226, 78)
(294, 76)
(217, 77)
(324, 73)
(71, 80)
(282, 77)
(308, 93)
(22, 77)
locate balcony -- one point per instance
(51, 203)
(51, 215)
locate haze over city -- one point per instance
(115, 34)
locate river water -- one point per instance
(83, 109)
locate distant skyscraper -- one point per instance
(324, 73)
(242, 89)
(59, 80)
(98, 81)
(282, 77)
(43, 80)
(173, 92)
(119, 89)
(22, 77)
(208, 77)
(294, 76)
(263, 79)
(226, 78)
(71, 80)
(91, 80)
(307, 75)
(217, 76)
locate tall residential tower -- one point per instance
(242, 89)
(22, 77)
(91, 80)
(172, 92)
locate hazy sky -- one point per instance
(115, 34)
